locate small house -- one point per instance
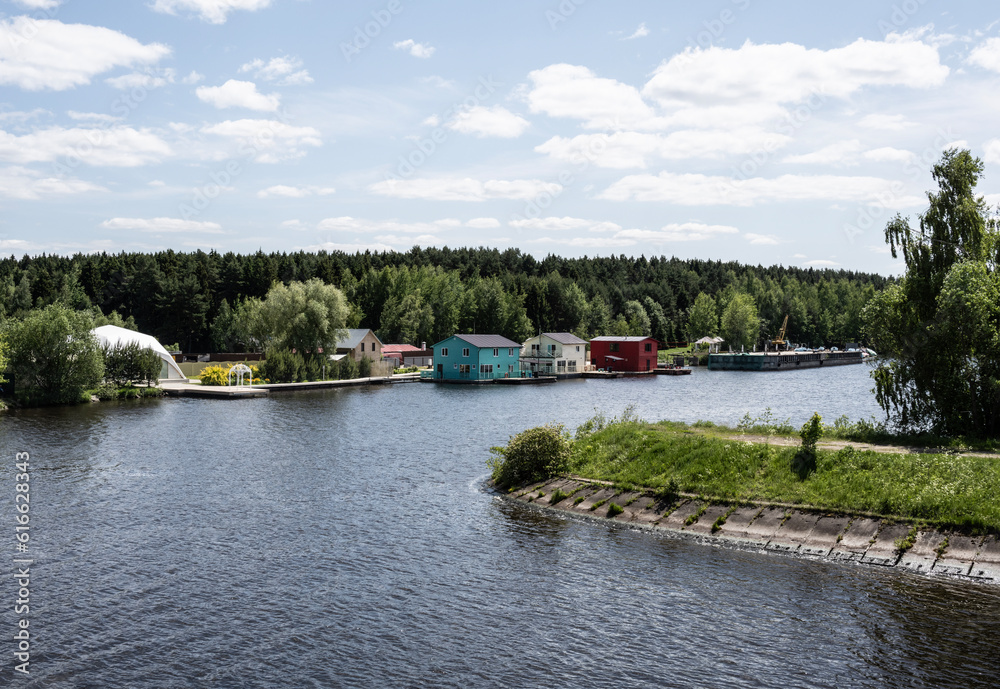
(407, 355)
(476, 357)
(360, 343)
(554, 353)
(632, 354)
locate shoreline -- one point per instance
(799, 531)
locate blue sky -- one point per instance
(767, 133)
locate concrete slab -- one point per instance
(565, 485)
(761, 529)
(707, 519)
(594, 498)
(856, 540)
(792, 532)
(571, 505)
(921, 557)
(737, 523)
(959, 555)
(987, 562)
(823, 537)
(641, 511)
(675, 520)
(883, 551)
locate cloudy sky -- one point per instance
(777, 132)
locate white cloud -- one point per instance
(622, 150)
(268, 141)
(114, 146)
(585, 242)
(92, 116)
(575, 92)
(888, 154)
(294, 192)
(45, 54)
(638, 33)
(23, 183)
(483, 223)
(162, 225)
(238, 94)
(211, 11)
(286, 71)
(387, 228)
(495, 121)
(679, 232)
(986, 55)
(891, 123)
(821, 263)
(464, 189)
(839, 153)
(992, 151)
(192, 78)
(413, 48)
(762, 239)
(790, 73)
(697, 189)
(39, 4)
(141, 80)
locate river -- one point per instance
(344, 538)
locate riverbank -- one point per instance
(863, 539)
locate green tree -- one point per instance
(740, 324)
(54, 356)
(637, 318)
(703, 319)
(305, 316)
(938, 329)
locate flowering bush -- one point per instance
(219, 375)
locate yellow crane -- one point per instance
(780, 339)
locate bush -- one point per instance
(365, 367)
(128, 363)
(219, 375)
(530, 455)
(282, 366)
(804, 462)
(347, 368)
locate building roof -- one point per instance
(488, 341)
(390, 348)
(354, 337)
(629, 338)
(565, 338)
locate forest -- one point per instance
(427, 294)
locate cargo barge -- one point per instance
(781, 361)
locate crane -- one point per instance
(780, 339)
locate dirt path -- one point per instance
(835, 445)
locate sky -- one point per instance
(767, 133)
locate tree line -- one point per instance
(427, 294)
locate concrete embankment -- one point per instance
(782, 529)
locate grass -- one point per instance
(558, 496)
(614, 510)
(939, 488)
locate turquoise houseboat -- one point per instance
(476, 358)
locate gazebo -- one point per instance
(712, 342)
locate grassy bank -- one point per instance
(944, 490)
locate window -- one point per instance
(496, 352)
(465, 351)
(362, 346)
(552, 349)
(534, 347)
(463, 369)
(444, 351)
(510, 351)
(614, 347)
(649, 346)
(578, 348)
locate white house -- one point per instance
(550, 353)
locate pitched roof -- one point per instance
(487, 341)
(389, 348)
(354, 337)
(613, 338)
(565, 338)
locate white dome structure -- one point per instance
(112, 335)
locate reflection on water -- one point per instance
(332, 539)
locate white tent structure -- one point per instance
(112, 335)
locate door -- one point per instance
(440, 371)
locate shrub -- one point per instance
(282, 366)
(128, 363)
(214, 375)
(365, 367)
(530, 455)
(804, 462)
(615, 509)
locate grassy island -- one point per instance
(946, 489)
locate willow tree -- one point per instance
(305, 316)
(939, 326)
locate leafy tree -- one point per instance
(53, 355)
(740, 325)
(637, 318)
(305, 316)
(703, 320)
(128, 363)
(939, 327)
(4, 355)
